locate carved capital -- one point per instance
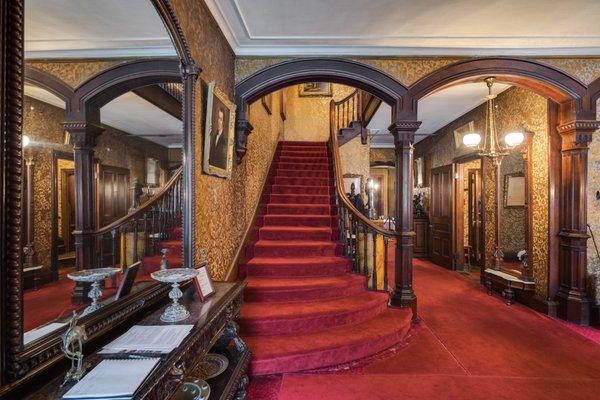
(577, 134)
(188, 70)
(82, 135)
(242, 129)
(404, 132)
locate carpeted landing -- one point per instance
(467, 345)
(303, 308)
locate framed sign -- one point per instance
(128, 279)
(315, 89)
(203, 283)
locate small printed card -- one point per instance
(203, 283)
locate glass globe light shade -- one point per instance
(513, 139)
(471, 139)
(25, 141)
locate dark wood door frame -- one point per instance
(56, 155)
(442, 216)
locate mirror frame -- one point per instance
(17, 362)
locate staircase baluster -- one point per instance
(146, 238)
(374, 240)
(365, 245)
(385, 263)
(135, 240)
(113, 234)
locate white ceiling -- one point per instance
(410, 27)
(94, 29)
(435, 110)
(129, 113)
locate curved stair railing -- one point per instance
(139, 233)
(365, 242)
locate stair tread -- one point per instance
(389, 322)
(295, 242)
(284, 228)
(295, 310)
(309, 260)
(267, 283)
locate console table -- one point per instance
(508, 281)
(214, 330)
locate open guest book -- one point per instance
(113, 379)
(148, 339)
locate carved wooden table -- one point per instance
(508, 282)
(214, 330)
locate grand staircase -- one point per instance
(303, 308)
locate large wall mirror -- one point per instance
(514, 228)
(107, 100)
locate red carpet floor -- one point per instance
(304, 309)
(467, 345)
(58, 294)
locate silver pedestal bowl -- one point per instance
(95, 276)
(174, 312)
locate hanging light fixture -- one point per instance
(491, 145)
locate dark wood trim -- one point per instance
(50, 83)
(56, 155)
(157, 96)
(303, 70)
(554, 174)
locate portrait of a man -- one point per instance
(218, 139)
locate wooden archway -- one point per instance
(50, 83)
(573, 122)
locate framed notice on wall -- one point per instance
(514, 190)
(203, 283)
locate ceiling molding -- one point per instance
(238, 30)
(149, 51)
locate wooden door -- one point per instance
(112, 189)
(475, 217)
(67, 211)
(441, 216)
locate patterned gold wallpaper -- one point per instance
(516, 108)
(74, 72)
(224, 207)
(354, 157)
(594, 212)
(307, 118)
(410, 69)
(383, 155)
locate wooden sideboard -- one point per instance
(214, 330)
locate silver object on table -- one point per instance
(72, 346)
(95, 276)
(174, 312)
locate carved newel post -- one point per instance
(573, 300)
(83, 139)
(404, 136)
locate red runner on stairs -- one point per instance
(304, 308)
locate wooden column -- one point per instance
(83, 139)
(404, 137)
(572, 296)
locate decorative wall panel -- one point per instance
(383, 156)
(594, 212)
(354, 157)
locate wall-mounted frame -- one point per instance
(514, 190)
(315, 89)
(357, 179)
(219, 131)
(153, 172)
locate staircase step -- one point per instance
(302, 159)
(302, 289)
(302, 143)
(301, 180)
(310, 316)
(152, 263)
(299, 209)
(304, 153)
(297, 189)
(293, 248)
(298, 198)
(294, 173)
(304, 166)
(293, 220)
(294, 233)
(305, 266)
(341, 344)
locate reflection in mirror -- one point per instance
(513, 212)
(136, 163)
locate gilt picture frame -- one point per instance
(514, 190)
(219, 131)
(315, 89)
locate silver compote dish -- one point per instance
(174, 312)
(95, 276)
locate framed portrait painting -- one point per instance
(315, 89)
(218, 133)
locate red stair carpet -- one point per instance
(303, 308)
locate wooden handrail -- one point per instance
(345, 99)
(144, 207)
(340, 181)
